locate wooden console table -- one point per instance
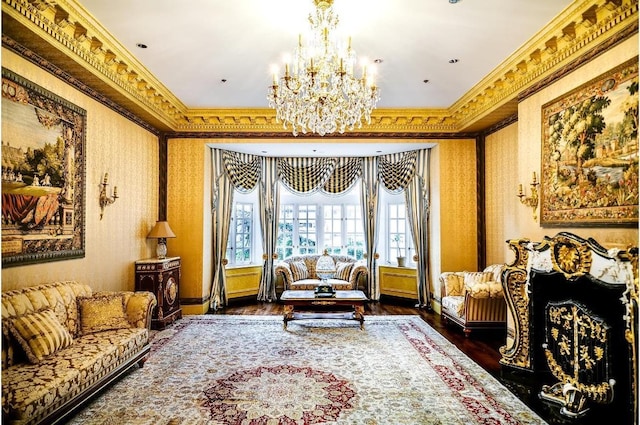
(295, 302)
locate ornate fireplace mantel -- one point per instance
(572, 310)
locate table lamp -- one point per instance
(161, 231)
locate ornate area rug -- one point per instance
(248, 370)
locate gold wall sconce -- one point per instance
(104, 198)
(530, 201)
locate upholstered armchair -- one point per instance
(474, 300)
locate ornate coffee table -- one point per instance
(296, 302)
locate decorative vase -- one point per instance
(400, 261)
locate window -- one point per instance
(311, 224)
(354, 231)
(240, 242)
(307, 226)
(397, 233)
(332, 225)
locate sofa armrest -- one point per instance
(451, 284)
(283, 269)
(358, 269)
(139, 306)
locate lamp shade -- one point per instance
(161, 230)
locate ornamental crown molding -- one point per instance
(81, 42)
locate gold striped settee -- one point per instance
(474, 300)
(62, 343)
(299, 272)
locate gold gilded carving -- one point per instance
(109, 57)
(569, 32)
(570, 257)
(590, 17)
(551, 45)
(579, 343)
(518, 246)
(514, 285)
(61, 17)
(96, 45)
(80, 33)
(40, 5)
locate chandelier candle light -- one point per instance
(319, 91)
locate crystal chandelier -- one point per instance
(319, 91)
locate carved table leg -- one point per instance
(288, 315)
(359, 315)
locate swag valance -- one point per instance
(328, 175)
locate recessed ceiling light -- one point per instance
(453, 60)
(425, 81)
(454, 1)
(378, 61)
(141, 45)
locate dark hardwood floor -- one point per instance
(482, 346)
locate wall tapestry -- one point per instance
(590, 153)
(43, 174)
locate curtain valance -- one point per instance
(397, 170)
(305, 175)
(346, 173)
(244, 170)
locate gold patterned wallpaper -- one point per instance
(129, 154)
(189, 206)
(501, 204)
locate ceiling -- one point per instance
(192, 47)
(212, 55)
(220, 54)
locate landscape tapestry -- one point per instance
(43, 139)
(590, 153)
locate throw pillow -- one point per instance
(102, 312)
(40, 334)
(299, 270)
(475, 283)
(343, 270)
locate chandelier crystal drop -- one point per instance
(319, 91)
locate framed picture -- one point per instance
(43, 174)
(590, 153)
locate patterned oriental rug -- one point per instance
(248, 370)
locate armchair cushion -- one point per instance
(452, 284)
(343, 270)
(455, 304)
(482, 285)
(299, 270)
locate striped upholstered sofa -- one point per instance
(62, 343)
(474, 300)
(299, 272)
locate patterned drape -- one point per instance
(369, 200)
(221, 204)
(397, 170)
(305, 175)
(345, 174)
(244, 170)
(417, 200)
(269, 198)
